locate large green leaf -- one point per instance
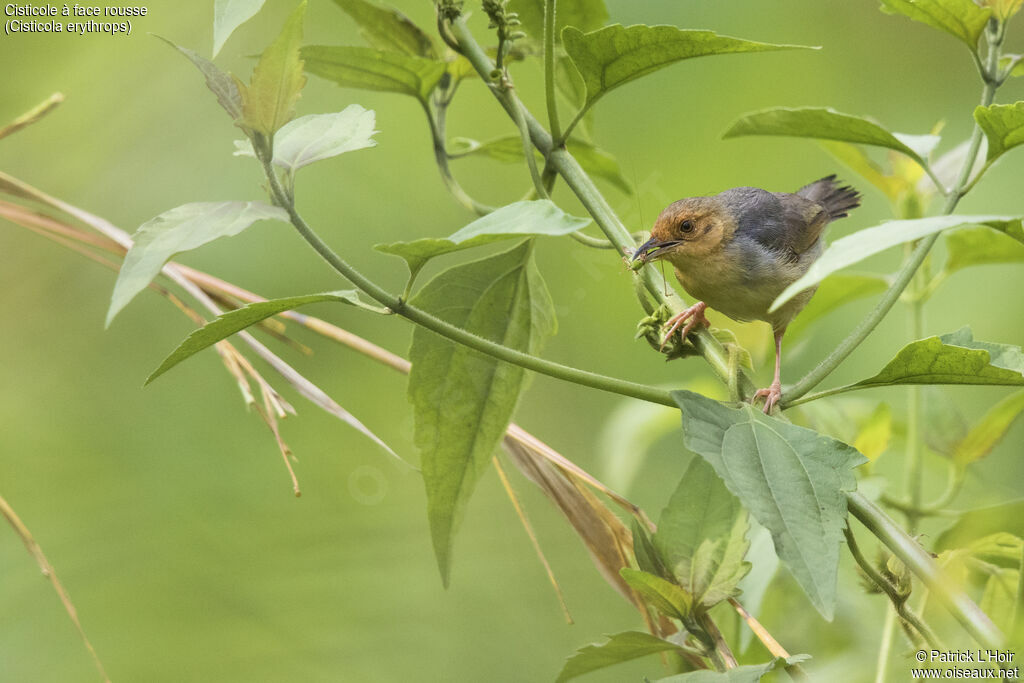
(702, 536)
(978, 246)
(237, 320)
(621, 647)
(1003, 125)
(666, 597)
(954, 358)
(309, 139)
(960, 18)
(386, 28)
(791, 479)
(220, 84)
(463, 400)
(828, 124)
(749, 673)
(268, 102)
(848, 250)
(369, 69)
(519, 219)
(586, 15)
(616, 54)
(181, 229)
(229, 15)
(989, 430)
(836, 290)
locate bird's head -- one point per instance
(688, 229)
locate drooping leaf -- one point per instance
(647, 556)
(586, 15)
(229, 15)
(791, 479)
(239, 319)
(268, 102)
(616, 54)
(702, 536)
(1003, 125)
(873, 437)
(848, 250)
(978, 246)
(749, 673)
(32, 115)
(519, 219)
(620, 647)
(989, 430)
(962, 19)
(369, 69)
(666, 597)
(828, 124)
(385, 28)
(836, 290)
(220, 83)
(463, 400)
(181, 229)
(982, 522)
(309, 139)
(954, 358)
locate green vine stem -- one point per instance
(549, 69)
(437, 134)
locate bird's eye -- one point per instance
(686, 226)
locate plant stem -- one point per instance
(914, 477)
(457, 334)
(437, 134)
(549, 69)
(921, 563)
(885, 646)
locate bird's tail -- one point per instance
(837, 200)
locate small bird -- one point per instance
(737, 250)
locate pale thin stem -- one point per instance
(795, 671)
(437, 133)
(549, 68)
(885, 645)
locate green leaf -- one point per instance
(463, 400)
(309, 139)
(989, 430)
(960, 18)
(621, 647)
(277, 81)
(1000, 597)
(386, 28)
(750, 673)
(981, 522)
(828, 124)
(1013, 63)
(221, 84)
(848, 250)
(835, 291)
(237, 320)
(978, 246)
(874, 435)
(857, 160)
(181, 229)
(954, 358)
(647, 556)
(616, 54)
(519, 219)
(585, 15)
(368, 69)
(1003, 125)
(791, 479)
(668, 598)
(702, 536)
(229, 15)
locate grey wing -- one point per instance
(781, 223)
(805, 220)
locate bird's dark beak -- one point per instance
(652, 249)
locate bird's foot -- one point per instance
(771, 396)
(692, 316)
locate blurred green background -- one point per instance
(167, 511)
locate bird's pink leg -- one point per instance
(772, 394)
(694, 314)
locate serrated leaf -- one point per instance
(749, 673)
(239, 319)
(836, 290)
(873, 436)
(829, 124)
(268, 102)
(1003, 125)
(962, 19)
(220, 84)
(954, 358)
(229, 15)
(668, 598)
(369, 69)
(620, 647)
(979, 246)
(181, 229)
(989, 430)
(518, 219)
(791, 479)
(463, 400)
(848, 250)
(386, 28)
(648, 559)
(616, 54)
(312, 138)
(585, 15)
(981, 522)
(702, 536)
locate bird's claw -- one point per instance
(771, 396)
(692, 316)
